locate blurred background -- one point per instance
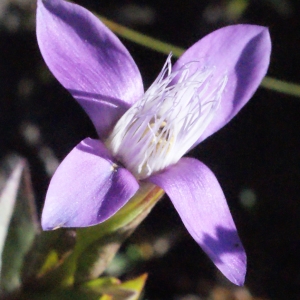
(256, 157)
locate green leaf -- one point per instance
(18, 223)
(112, 288)
(63, 294)
(7, 203)
(49, 252)
(102, 282)
(136, 285)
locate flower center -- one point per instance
(171, 116)
(161, 136)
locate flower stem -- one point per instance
(95, 246)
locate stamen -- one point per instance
(160, 128)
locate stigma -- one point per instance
(168, 120)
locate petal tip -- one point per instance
(234, 267)
(47, 226)
(48, 221)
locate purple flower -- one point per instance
(143, 135)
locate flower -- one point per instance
(143, 136)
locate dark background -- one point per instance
(256, 157)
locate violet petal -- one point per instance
(200, 202)
(88, 60)
(240, 51)
(87, 188)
